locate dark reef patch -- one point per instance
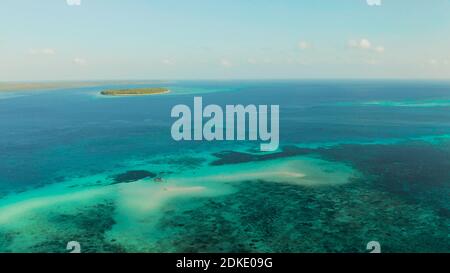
(6, 239)
(401, 200)
(87, 226)
(180, 162)
(272, 217)
(232, 157)
(416, 171)
(132, 176)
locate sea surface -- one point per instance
(359, 161)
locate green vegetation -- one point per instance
(55, 85)
(136, 92)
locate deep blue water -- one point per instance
(46, 132)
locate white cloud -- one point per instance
(373, 2)
(73, 2)
(43, 51)
(379, 49)
(79, 61)
(433, 62)
(365, 44)
(362, 43)
(438, 62)
(303, 45)
(168, 62)
(226, 63)
(48, 51)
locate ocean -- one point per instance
(359, 161)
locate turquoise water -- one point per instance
(432, 103)
(76, 166)
(425, 103)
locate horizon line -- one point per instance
(224, 79)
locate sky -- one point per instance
(224, 39)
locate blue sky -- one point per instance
(229, 39)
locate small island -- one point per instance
(136, 91)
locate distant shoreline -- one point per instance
(47, 86)
(135, 92)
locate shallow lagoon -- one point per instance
(345, 175)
